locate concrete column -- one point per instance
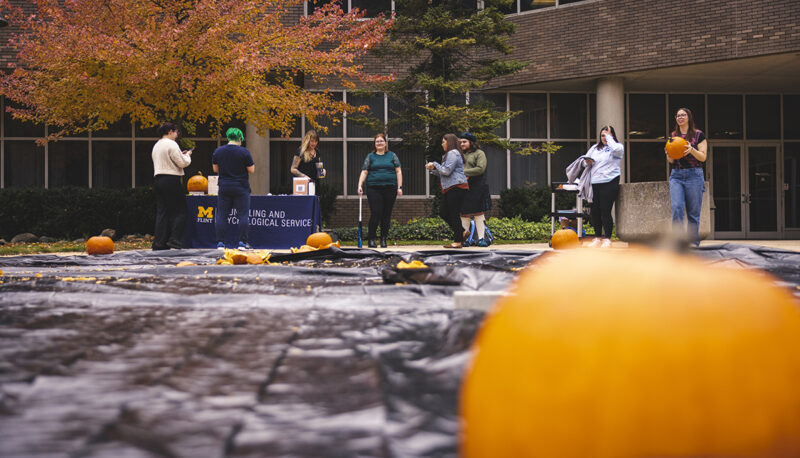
(611, 108)
(259, 149)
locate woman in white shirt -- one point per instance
(604, 158)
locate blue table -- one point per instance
(276, 222)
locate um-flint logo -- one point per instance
(205, 215)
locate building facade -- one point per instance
(628, 63)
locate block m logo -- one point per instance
(203, 212)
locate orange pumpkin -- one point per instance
(99, 244)
(197, 183)
(676, 146)
(653, 354)
(564, 239)
(318, 239)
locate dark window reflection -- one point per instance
(144, 163)
(694, 102)
(24, 164)
(725, 116)
(528, 170)
(567, 115)
(762, 166)
(111, 164)
(16, 128)
(356, 152)
(532, 122)
(564, 157)
(763, 116)
(496, 160)
(121, 128)
(494, 101)
(647, 116)
(647, 161)
(281, 154)
(373, 7)
(727, 189)
(412, 164)
(68, 163)
(373, 114)
(791, 116)
(791, 177)
(330, 153)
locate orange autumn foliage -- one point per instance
(84, 65)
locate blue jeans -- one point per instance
(238, 198)
(686, 193)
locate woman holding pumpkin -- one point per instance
(604, 159)
(686, 178)
(454, 186)
(381, 171)
(306, 162)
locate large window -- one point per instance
(791, 182)
(647, 117)
(725, 116)
(372, 7)
(521, 6)
(763, 116)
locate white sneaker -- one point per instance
(595, 242)
(606, 243)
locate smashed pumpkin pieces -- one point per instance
(306, 248)
(230, 257)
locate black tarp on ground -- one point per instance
(128, 355)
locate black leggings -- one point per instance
(604, 196)
(381, 200)
(450, 211)
(170, 210)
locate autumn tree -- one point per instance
(86, 64)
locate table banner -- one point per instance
(276, 222)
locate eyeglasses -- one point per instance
(681, 115)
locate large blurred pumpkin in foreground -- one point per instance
(647, 354)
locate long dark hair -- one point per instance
(452, 144)
(600, 140)
(691, 131)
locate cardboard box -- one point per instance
(300, 186)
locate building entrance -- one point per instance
(747, 188)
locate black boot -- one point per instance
(383, 242)
(371, 243)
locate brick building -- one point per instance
(629, 63)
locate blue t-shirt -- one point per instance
(233, 161)
(381, 169)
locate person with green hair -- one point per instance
(233, 163)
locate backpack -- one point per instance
(472, 238)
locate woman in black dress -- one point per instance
(306, 162)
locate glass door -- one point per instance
(761, 197)
(726, 176)
(746, 189)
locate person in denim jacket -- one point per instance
(454, 186)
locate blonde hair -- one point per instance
(304, 152)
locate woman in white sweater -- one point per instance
(168, 164)
(604, 158)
